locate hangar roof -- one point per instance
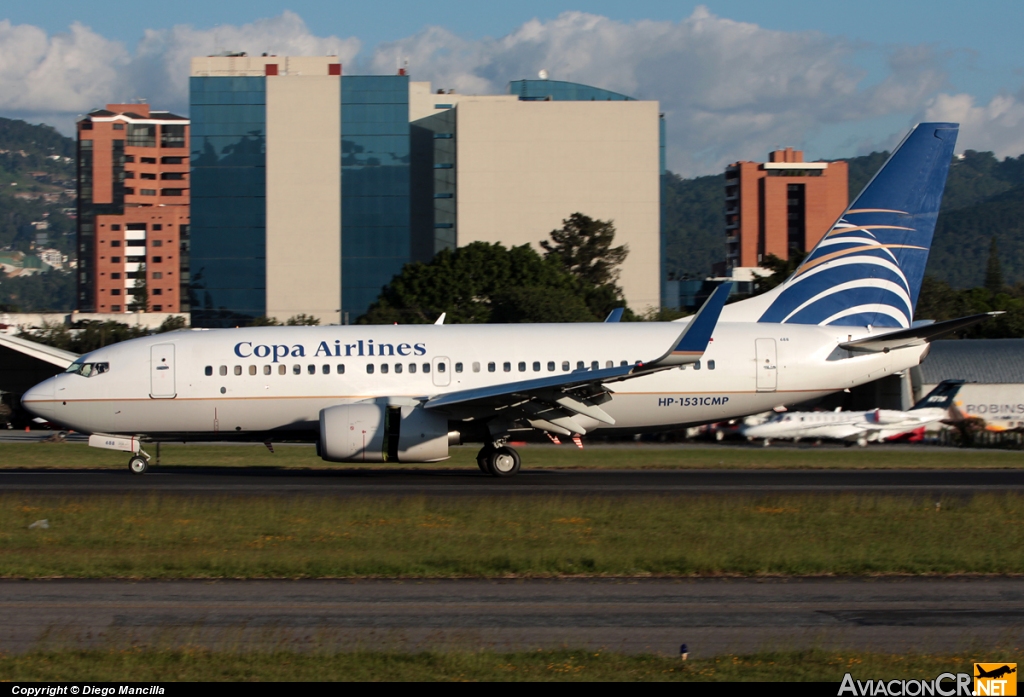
(987, 361)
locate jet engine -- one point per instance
(371, 432)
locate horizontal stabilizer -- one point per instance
(915, 336)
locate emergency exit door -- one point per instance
(767, 369)
(161, 372)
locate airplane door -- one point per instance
(161, 372)
(442, 370)
(767, 368)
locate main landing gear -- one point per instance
(499, 462)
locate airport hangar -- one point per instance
(311, 189)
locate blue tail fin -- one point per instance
(941, 397)
(868, 269)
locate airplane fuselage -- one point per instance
(268, 382)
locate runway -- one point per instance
(711, 616)
(452, 482)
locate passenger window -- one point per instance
(209, 370)
(490, 367)
(282, 369)
(326, 369)
(594, 365)
(341, 369)
(696, 366)
(383, 367)
(580, 365)
(623, 363)
(426, 367)
(398, 367)
(711, 365)
(458, 367)
(252, 370)
(507, 367)
(565, 365)
(369, 368)
(311, 369)
(296, 369)
(551, 366)
(238, 370)
(536, 366)
(266, 370)
(609, 364)
(441, 367)
(476, 366)
(412, 367)
(522, 366)
(223, 370)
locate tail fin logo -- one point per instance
(856, 270)
(868, 269)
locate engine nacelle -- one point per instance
(379, 433)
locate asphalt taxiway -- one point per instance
(711, 616)
(444, 482)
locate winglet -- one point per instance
(615, 315)
(440, 320)
(694, 340)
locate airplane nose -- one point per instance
(39, 399)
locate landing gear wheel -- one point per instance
(483, 458)
(504, 462)
(138, 464)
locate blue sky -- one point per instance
(735, 77)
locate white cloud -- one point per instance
(68, 72)
(56, 77)
(997, 126)
(730, 90)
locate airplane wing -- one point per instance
(552, 403)
(915, 336)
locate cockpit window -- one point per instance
(87, 370)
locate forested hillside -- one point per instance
(37, 201)
(984, 198)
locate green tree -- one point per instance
(140, 292)
(172, 323)
(303, 320)
(781, 270)
(583, 247)
(86, 336)
(993, 271)
(481, 283)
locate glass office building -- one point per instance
(279, 227)
(228, 234)
(375, 182)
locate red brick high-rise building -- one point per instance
(133, 210)
(779, 205)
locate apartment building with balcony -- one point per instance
(133, 210)
(781, 205)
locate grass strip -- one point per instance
(177, 536)
(80, 455)
(561, 666)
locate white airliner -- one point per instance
(860, 427)
(405, 393)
